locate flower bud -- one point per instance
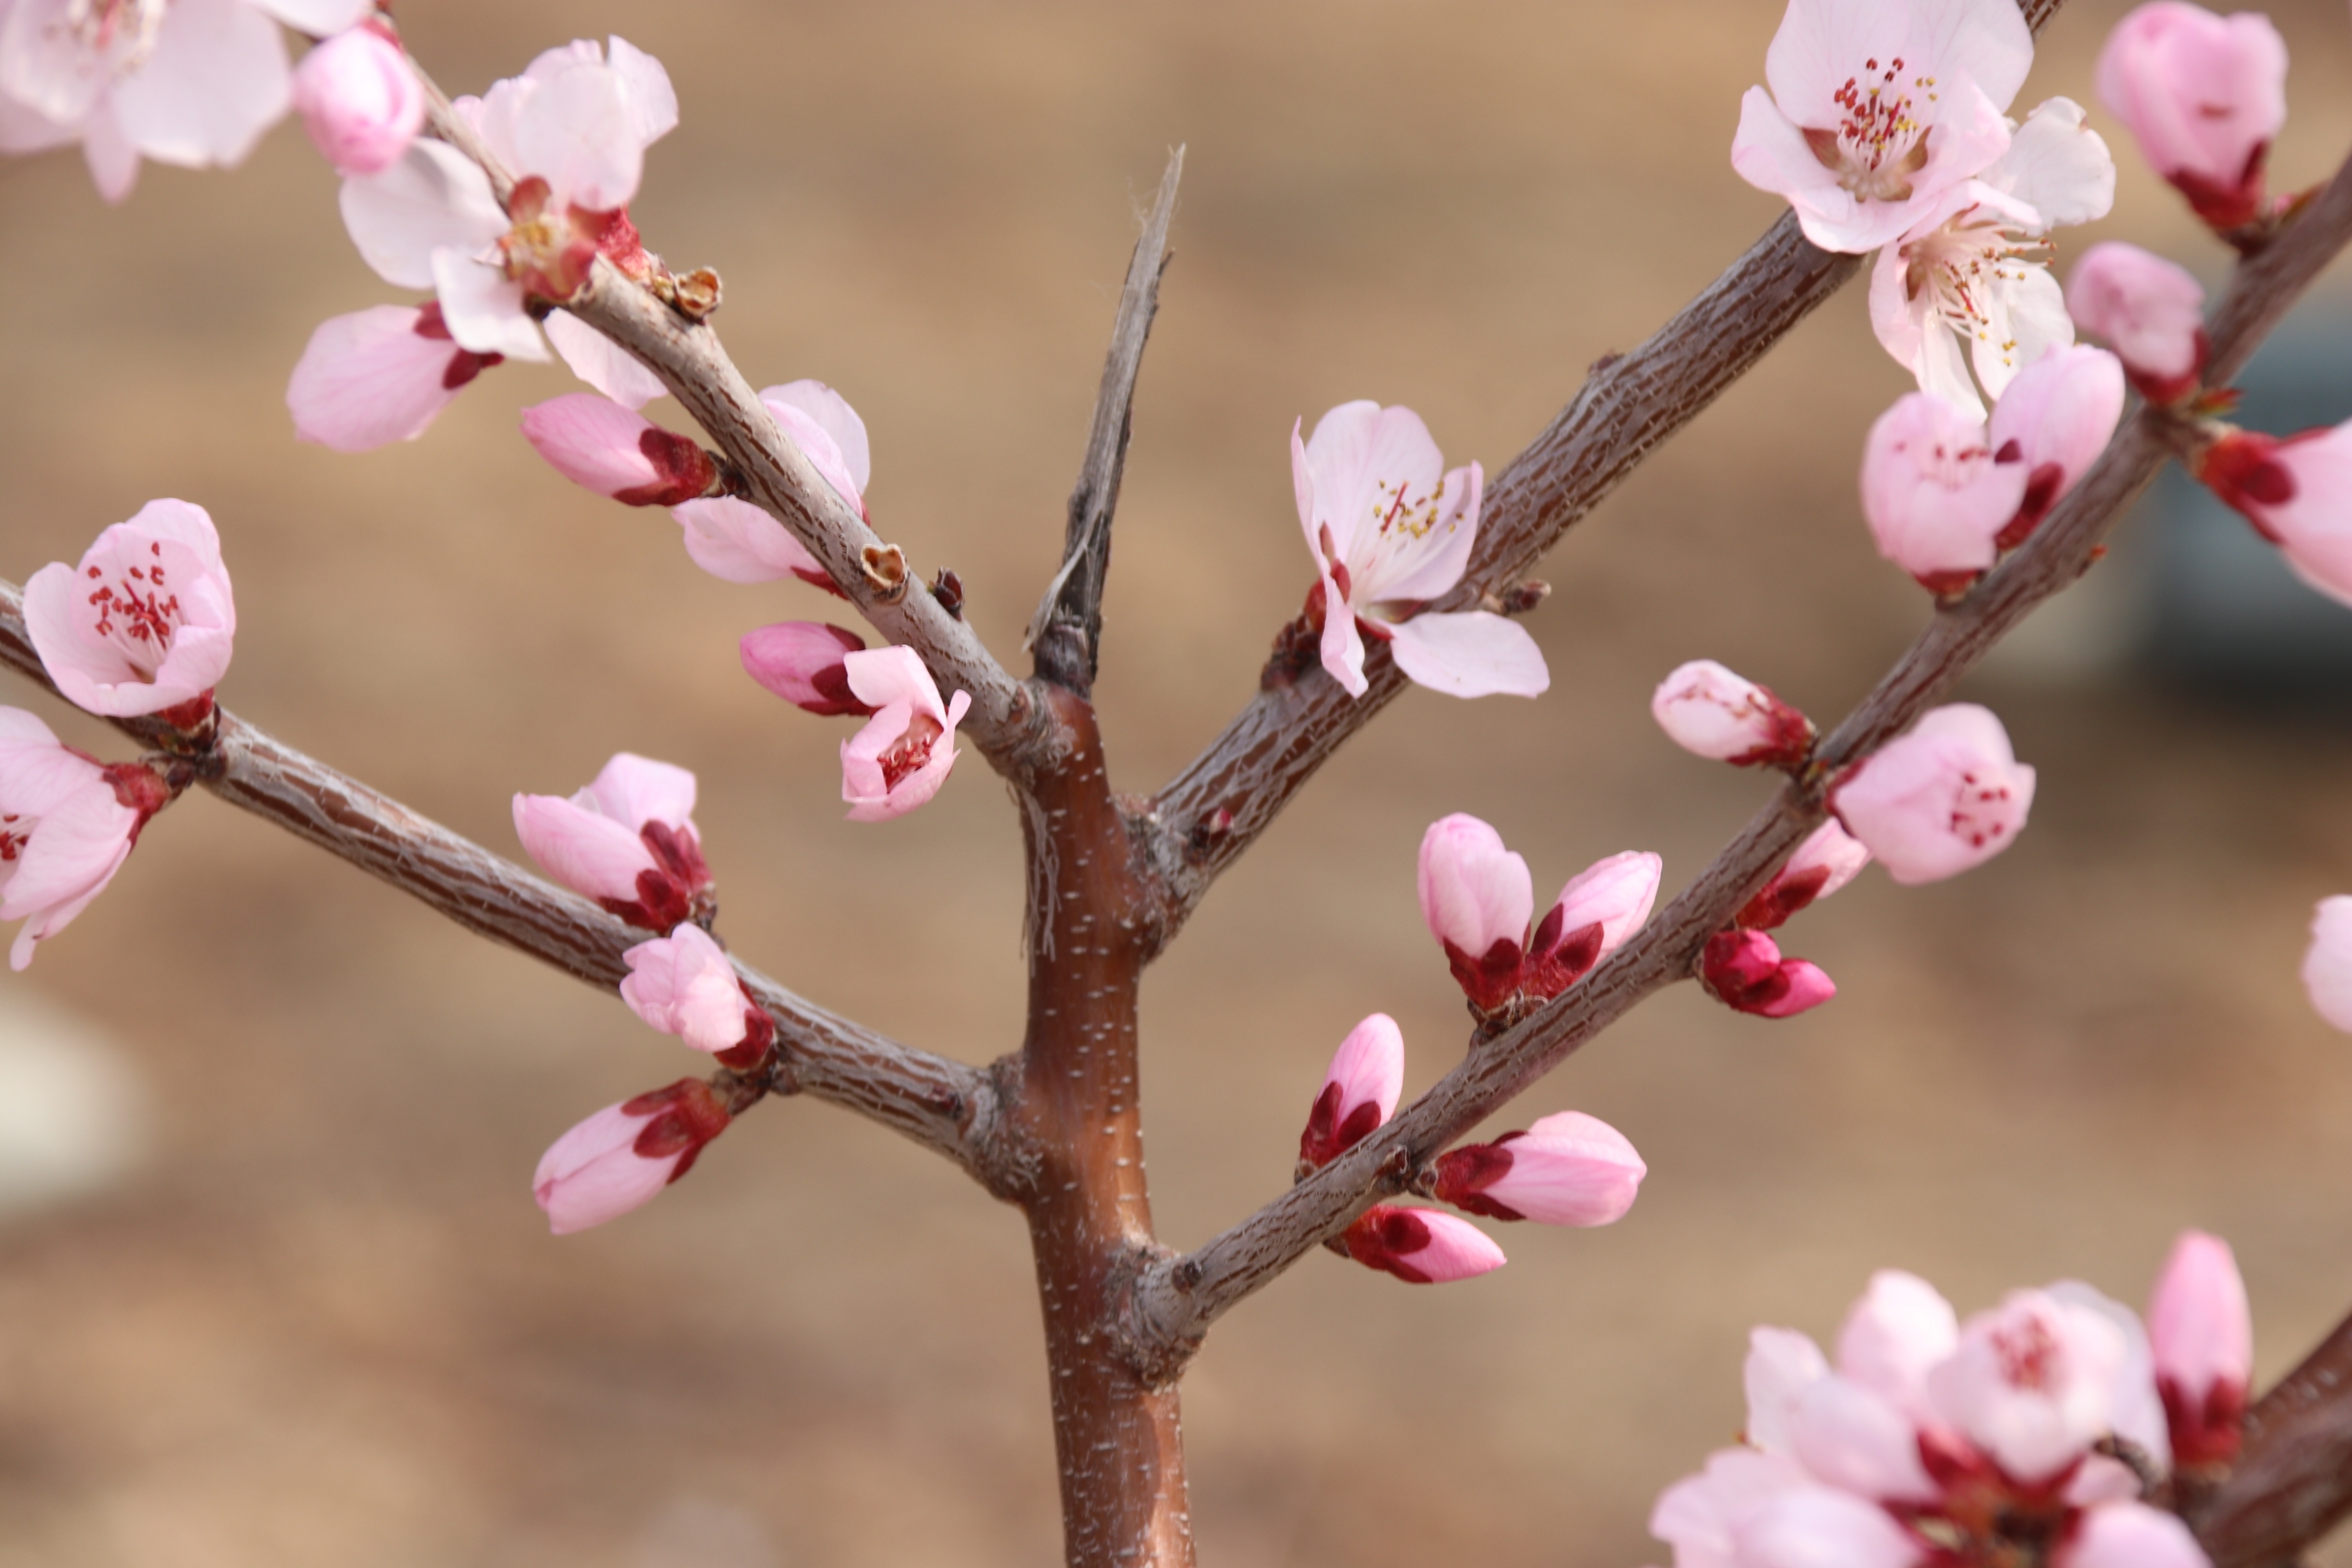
(1601, 907)
(1476, 897)
(683, 984)
(1360, 1091)
(2151, 311)
(2052, 423)
(360, 100)
(1706, 710)
(2202, 1335)
(619, 1158)
(1948, 795)
(627, 841)
(800, 661)
(600, 446)
(1935, 499)
(2297, 492)
(1745, 972)
(1420, 1246)
(1568, 1169)
(2204, 96)
(1822, 864)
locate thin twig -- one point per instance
(939, 1103)
(1065, 634)
(1177, 1298)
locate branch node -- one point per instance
(886, 572)
(947, 589)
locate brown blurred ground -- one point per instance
(323, 1324)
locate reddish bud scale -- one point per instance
(2239, 469)
(2225, 206)
(1385, 1238)
(1490, 979)
(1745, 972)
(686, 1116)
(686, 470)
(2167, 390)
(141, 788)
(2207, 1431)
(680, 890)
(1558, 961)
(1325, 1137)
(1463, 1174)
(759, 1039)
(2041, 488)
(1781, 897)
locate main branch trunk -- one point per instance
(1119, 1441)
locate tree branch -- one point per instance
(2293, 1481)
(939, 1103)
(1176, 1299)
(1065, 633)
(1006, 721)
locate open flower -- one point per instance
(1948, 795)
(1360, 1091)
(621, 1157)
(2297, 492)
(902, 757)
(145, 624)
(627, 841)
(1877, 110)
(2151, 311)
(1391, 529)
(360, 100)
(1566, 1169)
(573, 129)
(67, 824)
(1477, 898)
(684, 984)
(1966, 286)
(379, 375)
(192, 82)
(2204, 96)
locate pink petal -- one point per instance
(736, 542)
(1569, 1169)
(483, 307)
(1781, 1365)
(1421, 1246)
(2031, 1384)
(2203, 95)
(2058, 166)
(371, 378)
(1360, 1090)
(2053, 421)
(1858, 1440)
(591, 1173)
(684, 984)
(1437, 563)
(652, 101)
(1821, 1528)
(1935, 498)
(575, 132)
(800, 661)
(600, 362)
(1474, 891)
(317, 17)
(1932, 804)
(2132, 1535)
(1714, 713)
(2198, 1323)
(2151, 311)
(36, 772)
(434, 198)
(831, 412)
(602, 447)
(589, 853)
(1472, 653)
(1342, 644)
(1900, 1329)
(2327, 965)
(174, 646)
(883, 676)
(1698, 1514)
(634, 791)
(2303, 501)
(217, 79)
(1825, 862)
(1615, 894)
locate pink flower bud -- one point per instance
(2202, 1337)
(1568, 1169)
(619, 1158)
(2134, 1535)
(2204, 96)
(2297, 492)
(600, 446)
(627, 841)
(359, 101)
(2152, 311)
(145, 624)
(735, 541)
(1935, 498)
(67, 824)
(1360, 1091)
(378, 376)
(1948, 795)
(902, 757)
(1420, 1246)
(1822, 864)
(800, 661)
(1601, 907)
(1477, 898)
(683, 984)
(1745, 972)
(2327, 966)
(1706, 710)
(2053, 422)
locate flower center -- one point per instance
(136, 612)
(910, 752)
(1878, 143)
(1980, 815)
(1960, 265)
(13, 839)
(99, 25)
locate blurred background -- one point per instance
(272, 1289)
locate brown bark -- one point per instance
(2293, 1481)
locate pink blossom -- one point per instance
(1713, 712)
(602, 447)
(2297, 492)
(2151, 311)
(573, 129)
(1965, 288)
(1825, 862)
(2132, 1535)
(1745, 972)
(378, 376)
(1391, 530)
(2031, 1384)
(1421, 1246)
(192, 82)
(1566, 1169)
(684, 984)
(1813, 1526)
(2054, 420)
(738, 542)
(359, 99)
(829, 434)
(1360, 1091)
(145, 624)
(1477, 897)
(1877, 110)
(619, 1158)
(1934, 496)
(2204, 96)
(902, 756)
(67, 824)
(2327, 965)
(1948, 795)
(800, 661)
(627, 841)
(2201, 1336)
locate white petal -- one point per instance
(434, 198)
(317, 17)
(2058, 166)
(574, 133)
(483, 308)
(653, 103)
(217, 79)
(1473, 654)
